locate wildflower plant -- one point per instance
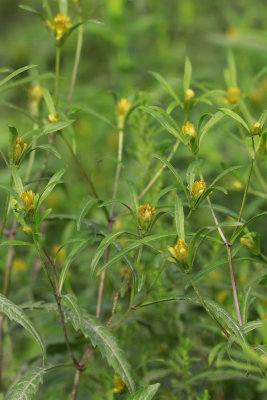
(132, 256)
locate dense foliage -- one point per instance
(133, 200)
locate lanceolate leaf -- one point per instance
(85, 206)
(210, 124)
(14, 313)
(70, 301)
(218, 310)
(235, 116)
(15, 73)
(54, 180)
(169, 89)
(179, 217)
(146, 393)
(104, 338)
(26, 387)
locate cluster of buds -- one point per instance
(179, 253)
(19, 149)
(123, 107)
(189, 129)
(233, 95)
(35, 94)
(189, 96)
(119, 384)
(28, 199)
(60, 26)
(198, 189)
(54, 117)
(255, 129)
(145, 215)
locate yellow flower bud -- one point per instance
(199, 187)
(123, 107)
(19, 149)
(145, 214)
(54, 118)
(189, 96)
(35, 93)
(247, 242)
(19, 265)
(189, 129)
(28, 199)
(119, 384)
(233, 94)
(180, 251)
(255, 129)
(28, 231)
(61, 25)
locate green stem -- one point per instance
(244, 196)
(5, 214)
(57, 68)
(204, 305)
(260, 177)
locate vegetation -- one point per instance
(133, 200)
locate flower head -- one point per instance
(233, 95)
(145, 214)
(255, 129)
(123, 107)
(55, 117)
(179, 252)
(189, 129)
(119, 384)
(199, 187)
(189, 96)
(19, 149)
(60, 26)
(28, 199)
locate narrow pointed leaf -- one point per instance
(54, 180)
(85, 206)
(146, 393)
(15, 73)
(17, 180)
(234, 116)
(71, 302)
(26, 387)
(179, 217)
(13, 312)
(169, 89)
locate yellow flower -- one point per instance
(119, 384)
(199, 187)
(123, 107)
(19, 149)
(28, 199)
(233, 94)
(145, 214)
(189, 96)
(255, 129)
(179, 251)
(61, 25)
(54, 117)
(189, 129)
(35, 93)
(19, 265)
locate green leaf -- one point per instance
(16, 243)
(187, 74)
(49, 101)
(262, 118)
(179, 217)
(169, 89)
(54, 180)
(104, 338)
(26, 387)
(232, 69)
(106, 242)
(17, 180)
(146, 393)
(13, 133)
(225, 172)
(71, 302)
(74, 251)
(15, 73)
(49, 148)
(85, 206)
(210, 124)
(50, 128)
(165, 120)
(173, 170)
(191, 172)
(32, 77)
(14, 313)
(250, 144)
(219, 312)
(133, 197)
(234, 116)
(246, 224)
(99, 116)
(135, 245)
